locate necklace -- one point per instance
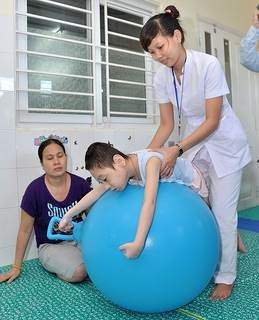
(179, 104)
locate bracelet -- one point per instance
(180, 149)
(15, 266)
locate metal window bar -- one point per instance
(131, 82)
(62, 5)
(146, 56)
(124, 66)
(54, 74)
(127, 8)
(126, 51)
(37, 53)
(97, 67)
(54, 20)
(135, 113)
(72, 93)
(130, 98)
(22, 99)
(127, 67)
(125, 21)
(107, 58)
(39, 35)
(121, 35)
(94, 73)
(61, 110)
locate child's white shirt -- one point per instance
(182, 173)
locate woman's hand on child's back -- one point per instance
(170, 155)
(131, 250)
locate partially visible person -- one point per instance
(249, 56)
(52, 194)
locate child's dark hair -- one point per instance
(165, 23)
(46, 143)
(100, 155)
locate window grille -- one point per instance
(82, 59)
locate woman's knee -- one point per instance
(78, 276)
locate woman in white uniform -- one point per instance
(192, 85)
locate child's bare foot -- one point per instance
(221, 291)
(240, 244)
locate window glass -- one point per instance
(68, 60)
(125, 66)
(64, 66)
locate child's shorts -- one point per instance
(62, 258)
(201, 165)
(199, 184)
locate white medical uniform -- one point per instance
(226, 148)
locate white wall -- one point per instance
(9, 215)
(18, 160)
(234, 14)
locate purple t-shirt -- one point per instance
(38, 202)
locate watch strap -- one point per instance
(180, 149)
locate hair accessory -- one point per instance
(168, 11)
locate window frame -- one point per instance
(146, 8)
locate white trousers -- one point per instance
(223, 200)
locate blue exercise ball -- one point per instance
(180, 255)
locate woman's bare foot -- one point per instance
(221, 291)
(240, 244)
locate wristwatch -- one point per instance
(180, 149)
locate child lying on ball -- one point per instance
(114, 170)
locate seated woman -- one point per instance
(52, 194)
